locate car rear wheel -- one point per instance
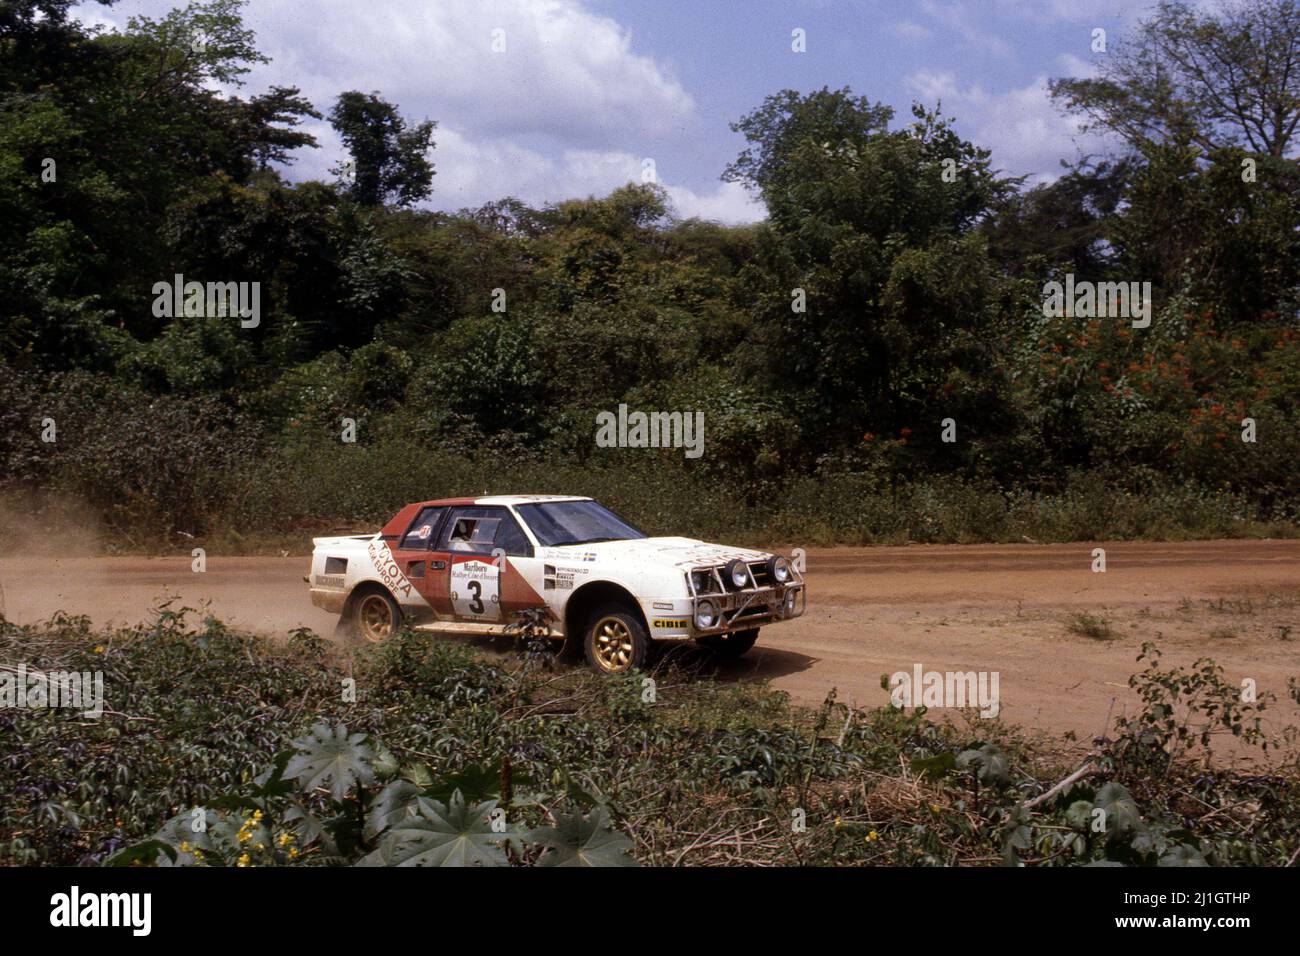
(375, 616)
(731, 645)
(615, 640)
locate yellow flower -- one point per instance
(837, 821)
(259, 846)
(243, 860)
(873, 836)
(185, 846)
(293, 853)
(99, 648)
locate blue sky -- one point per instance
(585, 91)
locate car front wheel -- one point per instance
(615, 640)
(731, 645)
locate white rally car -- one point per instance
(474, 565)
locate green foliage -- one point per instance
(895, 286)
(389, 159)
(217, 748)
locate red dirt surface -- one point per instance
(871, 611)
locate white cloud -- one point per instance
(565, 73)
(968, 22)
(730, 203)
(566, 109)
(1024, 129)
(471, 172)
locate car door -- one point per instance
(483, 586)
(426, 567)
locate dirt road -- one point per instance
(872, 611)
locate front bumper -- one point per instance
(745, 608)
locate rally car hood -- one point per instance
(677, 552)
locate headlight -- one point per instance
(706, 615)
(703, 582)
(780, 569)
(737, 573)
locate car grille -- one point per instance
(708, 580)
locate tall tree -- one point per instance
(871, 285)
(1230, 77)
(390, 161)
(272, 121)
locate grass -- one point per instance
(1089, 625)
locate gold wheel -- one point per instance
(612, 645)
(375, 617)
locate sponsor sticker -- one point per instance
(476, 590)
(559, 579)
(669, 623)
(389, 572)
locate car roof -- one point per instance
(504, 500)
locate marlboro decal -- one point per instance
(476, 589)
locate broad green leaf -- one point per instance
(989, 763)
(1122, 814)
(474, 783)
(452, 834)
(933, 767)
(334, 759)
(1079, 815)
(576, 840)
(391, 805)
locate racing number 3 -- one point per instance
(476, 603)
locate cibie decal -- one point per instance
(389, 572)
(669, 623)
(476, 590)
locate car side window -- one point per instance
(424, 529)
(512, 540)
(481, 530)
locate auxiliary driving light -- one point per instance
(780, 569)
(706, 615)
(790, 599)
(738, 573)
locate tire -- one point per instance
(614, 640)
(732, 645)
(374, 616)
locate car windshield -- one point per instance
(558, 523)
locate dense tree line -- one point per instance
(886, 318)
